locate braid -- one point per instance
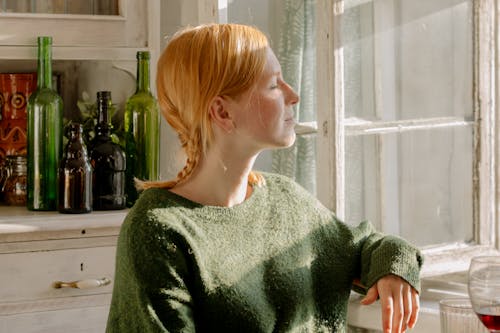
(256, 178)
(193, 152)
(192, 146)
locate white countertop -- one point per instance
(21, 219)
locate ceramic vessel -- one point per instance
(15, 89)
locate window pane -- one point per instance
(407, 59)
(417, 184)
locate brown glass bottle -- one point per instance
(108, 161)
(75, 175)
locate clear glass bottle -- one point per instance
(45, 118)
(108, 160)
(15, 184)
(75, 175)
(142, 131)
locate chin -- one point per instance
(289, 141)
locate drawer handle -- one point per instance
(82, 284)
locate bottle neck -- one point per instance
(143, 75)
(102, 127)
(102, 130)
(44, 76)
(76, 147)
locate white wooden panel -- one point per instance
(330, 101)
(127, 30)
(72, 53)
(18, 224)
(70, 31)
(57, 244)
(29, 276)
(54, 304)
(83, 320)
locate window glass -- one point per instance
(417, 184)
(407, 59)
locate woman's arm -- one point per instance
(390, 267)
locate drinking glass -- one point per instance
(457, 316)
(484, 290)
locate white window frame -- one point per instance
(332, 126)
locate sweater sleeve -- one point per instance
(369, 254)
(381, 255)
(151, 292)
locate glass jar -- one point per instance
(15, 185)
(3, 176)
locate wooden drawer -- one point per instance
(29, 276)
(84, 320)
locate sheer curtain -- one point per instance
(296, 53)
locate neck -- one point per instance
(143, 76)
(44, 72)
(217, 181)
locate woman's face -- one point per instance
(264, 114)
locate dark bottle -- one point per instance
(142, 131)
(44, 134)
(108, 160)
(75, 175)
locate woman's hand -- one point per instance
(400, 303)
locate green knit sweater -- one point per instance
(278, 262)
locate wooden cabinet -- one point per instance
(40, 249)
(91, 52)
(94, 48)
(133, 26)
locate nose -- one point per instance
(291, 97)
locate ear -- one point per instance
(220, 115)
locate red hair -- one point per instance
(197, 65)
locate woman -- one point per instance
(222, 248)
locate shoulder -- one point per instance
(281, 185)
(152, 225)
(277, 181)
(288, 193)
(153, 212)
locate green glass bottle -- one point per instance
(45, 119)
(142, 131)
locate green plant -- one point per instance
(87, 116)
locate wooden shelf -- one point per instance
(72, 53)
(19, 220)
